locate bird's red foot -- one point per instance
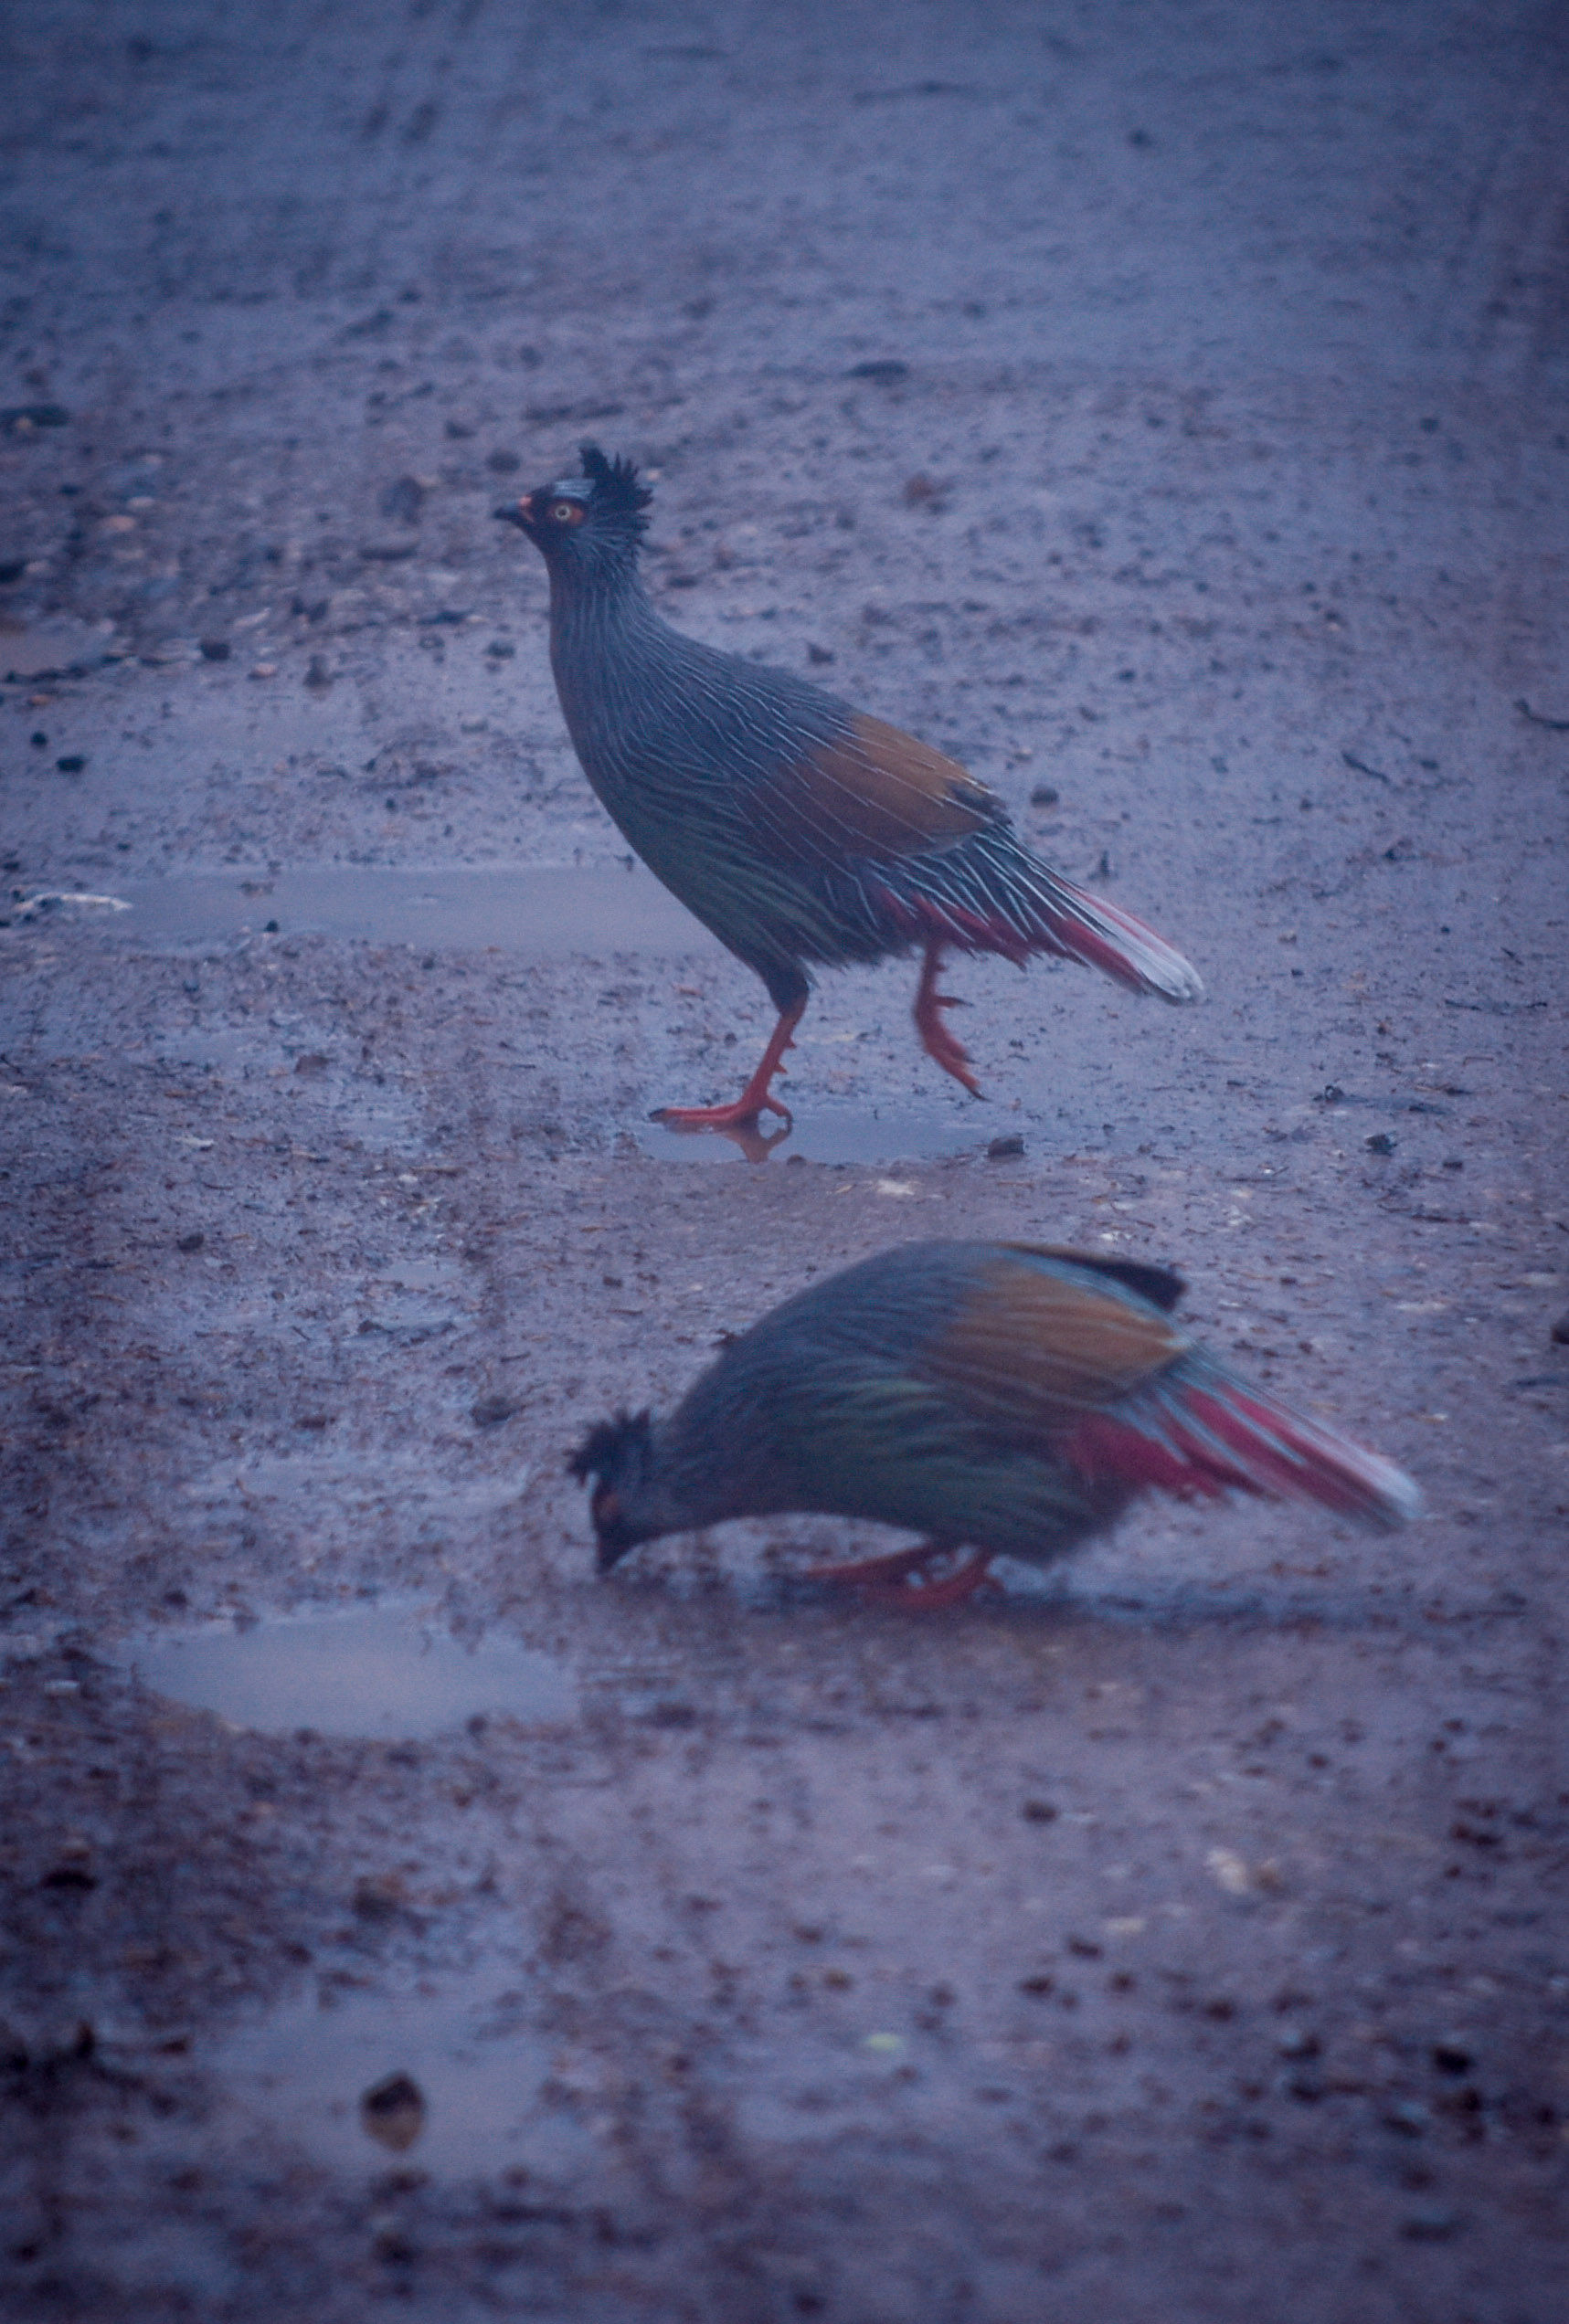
(871, 1571)
(745, 1114)
(902, 1583)
(937, 1040)
(755, 1100)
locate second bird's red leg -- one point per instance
(936, 1039)
(931, 1597)
(745, 1108)
(873, 1571)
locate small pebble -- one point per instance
(1003, 1149)
(1561, 1330)
(215, 648)
(1432, 2225)
(491, 1410)
(265, 669)
(1044, 795)
(1381, 1142)
(72, 763)
(192, 1242)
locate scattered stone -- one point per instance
(819, 654)
(1039, 1811)
(393, 2111)
(318, 677)
(1005, 1149)
(26, 419)
(501, 462)
(1381, 1142)
(403, 500)
(1044, 795)
(1561, 1330)
(215, 648)
(265, 669)
(313, 1062)
(886, 371)
(1408, 2116)
(1432, 2224)
(491, 1410)
(72, 763)
(192, 1242)
(1450, 2058)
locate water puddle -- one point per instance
(53, 649)
(880, 1133)
(450, 2077)
(390, 1672)
(543, 913)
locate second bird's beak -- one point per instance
(518, 513)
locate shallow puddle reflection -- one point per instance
(543, 912)
(452, 2077)
(880, 1134)
(391, 1672)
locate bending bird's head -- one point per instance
(569, 521)
(618, 1455)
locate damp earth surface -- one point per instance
(1160, 410)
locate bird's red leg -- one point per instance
(753, 1098)
(936, 1039)
(931, 1596)
(874, 1570)
(888, 1581)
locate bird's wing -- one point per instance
(1103, 1381)
(871, 792)
(1029, 1349)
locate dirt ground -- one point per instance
(1179, 1938)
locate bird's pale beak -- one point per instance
(518, 513)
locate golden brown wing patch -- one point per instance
(1028, 1347)
(874, 792)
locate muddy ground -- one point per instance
(1181, 1937)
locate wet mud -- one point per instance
(1164, 416)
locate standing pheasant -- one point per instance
(799, 831)
(996, 1397)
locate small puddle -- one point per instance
(452, 2077)
(543, 913)
(390, 1672)
(53, 649)
(882, 1133)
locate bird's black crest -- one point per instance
(617, 492)
(608, 1448)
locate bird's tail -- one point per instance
(1104, 936)
(992, 895)
(1198, 1430)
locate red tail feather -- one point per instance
(1201, 1431)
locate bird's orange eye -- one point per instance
(566, 512)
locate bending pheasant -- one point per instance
(999, 1398)
(799, 831)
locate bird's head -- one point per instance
(618, 1455)
(581, 520)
